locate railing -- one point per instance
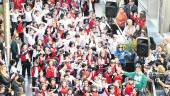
(120, 30)
(144, 7)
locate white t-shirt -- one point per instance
(13, 69)
(37, 19)
(28, 16)
(14, 17)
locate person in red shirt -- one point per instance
(134, 17)
(90, 57)
(35, 71)
(18, 4)
(94, 91)
(41, 62)
(20, 28)
(129, 89)
(139, 19)
(118, 77)
(92, 22)
(64, 88)
(25, 60)
(142, 19)
(47, 36)
(54, 51)
(108, 75)
(117, 88)
(44, 91)
(51, 70)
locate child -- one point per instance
(53, 86)
(44, 91)
(94, 91)
(20, 28)
(64, 88)
(13, 68)
(51, 70)
(35, 71)
(129, 88)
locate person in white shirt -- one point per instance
(39, 31)
(37, 17)
(14, 15)
(38, 5)
(129, 29)
(13, 67)
(28, 16)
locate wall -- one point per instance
(164, 20)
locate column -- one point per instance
(7, 28)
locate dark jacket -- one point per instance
(14, 49)
(5, 81)
(128, 10)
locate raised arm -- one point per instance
(35, 29)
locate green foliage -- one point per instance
(131, 46)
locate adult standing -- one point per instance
(140, 80)
(15, 48)
(121, 18)
(130, 8)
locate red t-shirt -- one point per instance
(118, 78)
(91, 24)
(108, 78)
(50, 72)
(64, 90)
(20, 27)
(17, 4)
(129, 89)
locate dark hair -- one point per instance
(131, 0)
(142, 14)
(163, 55)
(12, 62)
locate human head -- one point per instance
(24, 47)
(28, 8)
(162, 57)
(111, 89)
(138, 68)
(53, 81)
(120, 47)
(94, 88)
(121, 10)
(3, 69)
(12, 62)
(131, 2)
(130, 81)
(130, 22)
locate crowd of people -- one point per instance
(67, 51)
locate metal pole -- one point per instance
(7, 29)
